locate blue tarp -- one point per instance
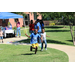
(7, 15)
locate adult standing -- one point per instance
(39, 29)
(42, 24)
(18, 28)
(31, 27)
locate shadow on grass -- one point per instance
(57, 30)
(25, 41)
(48, 41)
(53, 27)
(28, 54)
(24, 54)
(55, 42)
(70, 40)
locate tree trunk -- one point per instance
(74, 30)
(71, 32)
(74, 35)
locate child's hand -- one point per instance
(25, 34)
(48, 36)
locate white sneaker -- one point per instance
(41, 49)
(45, 48)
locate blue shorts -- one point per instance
(1, 37)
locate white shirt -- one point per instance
(44, 35)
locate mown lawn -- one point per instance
(58, 35)
(22, 53)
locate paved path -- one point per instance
(69, 50)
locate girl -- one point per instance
(1, 35)
(18, 28)
(43, 35)
(31, 27)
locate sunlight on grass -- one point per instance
(22, 53)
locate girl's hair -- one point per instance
(31, 21)
(41, 22)
(35, 22)
(38, 20)
(43, 28)
(17, 20)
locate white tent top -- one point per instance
(7, 15)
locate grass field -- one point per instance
(22, 53)
(58, 35)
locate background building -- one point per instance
(29, 16)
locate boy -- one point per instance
(43, 36)
(1, 35)
(34, 41)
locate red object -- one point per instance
(31, 27)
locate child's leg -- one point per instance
(42, 45)
(36, 49)
(45, 44)
(39, 40)
(2, 39)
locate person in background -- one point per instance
(39, 29)
(9, 26)
(35, 25)
(18, 28)
(42, 24)
(1, 35)
(31, 27)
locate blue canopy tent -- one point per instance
(7, 15)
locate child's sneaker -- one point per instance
(2, 41)
(45, 48)
(41, 49)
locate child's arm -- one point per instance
(47, 36)
(27, 35)
(41, 38)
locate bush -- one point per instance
(51, 24)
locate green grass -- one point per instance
(22, 53)
(58, 35)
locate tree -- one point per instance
(69, 17)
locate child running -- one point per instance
(34, 41)
(1, 35)
(43, 36)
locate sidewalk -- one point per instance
(7, 40)
(69, 50)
